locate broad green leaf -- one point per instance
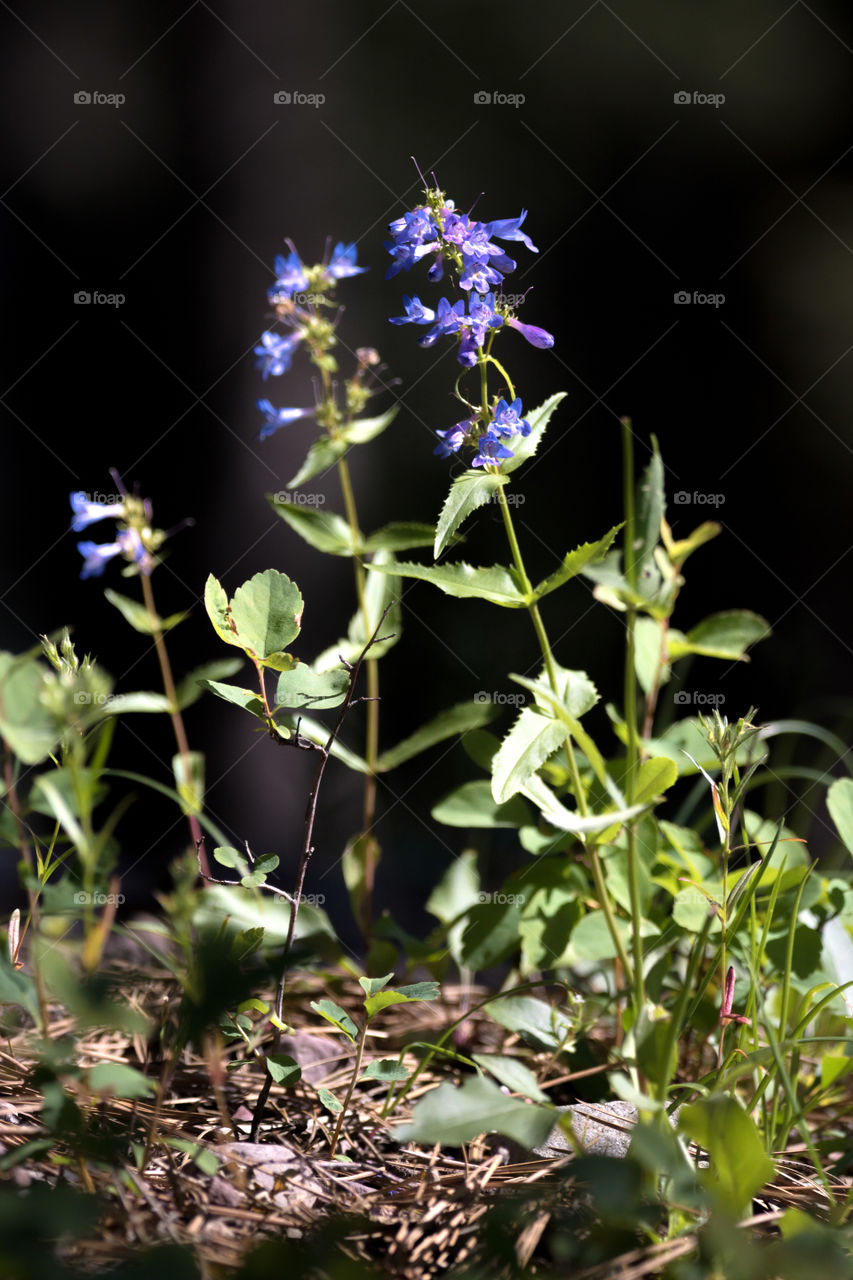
(26, 724)
(382, 1000)
(62, 811)
(235, 910)
(592, 940)
(267, 612)
(468, 492)
(739, 1164)
(18, 988)
(542, 1025)
(361, 857)
(190, 689)
(527, 445)
(559, 816)
(447, 724)
(119, 1080)
(426, 990)
(534, 737)
(839, 802)
(690, 909)
(491, 933)
(323, 530)
(365, 429)
(651, 508)
(723, 635)
(576, 694)
(385, 1070)
(452, 1116)
(472, 805)
(189, 779)
(337, 1016)
(457, 890)
(678, 550)
(370, 986)
(124, 703)
(576, 561)
(134, 612)
(283, 1069)
(464, 581)
(321, 457)
(382, 591)
(654, 777)
(202, 1157)
(512, 1073)
(329, 1101)
(216, 604)
(246, 698)
(650, 649)
(233, 858)
(302, 687)
(399, 536)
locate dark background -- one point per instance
(179, 199)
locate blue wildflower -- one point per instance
(416, 312)
(449, 319)
(491, 450)
(468, 351)
(279, 417)
(535, 336)
(508, 420)
(453, 438)
(95, 557)
(342, 263)
(483, 316)
(413, 236)
(508, 229)
(276, 353)
(86, 512)
(290, 277)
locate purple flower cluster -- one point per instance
(275, 350)
(478, 265)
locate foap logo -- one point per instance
(296, 98)
(696, 698)
(301, 499)
(684, 299)
(684, 98)
(500, 699)
(496, 98)
(83, 298)
(94, 98)
(684, 499)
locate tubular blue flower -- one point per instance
(342, 263)
(491, 450)
(478, 276)
(416, 312)
(467, 353)
(279, 417)
(535, 336)
(453, 438)
(508, 420)
(133, 548)
(276, 353)
(483, 316)
(508, 229)
(95, 556)
(86, 513)
(449, 319)
(412, 236)
(290, 277)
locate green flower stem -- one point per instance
(174, 713)
(371, 666)
(359, 1054)
(571, 759)
(632, 754)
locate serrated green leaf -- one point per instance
(267, 612)
(464, 581)
(283, 1069)
(534, 737)
(468, 492)
(385, 1070)
(472, 805)
(452, 1116)
(559, 816)
(302, 687)
(525, 447)
(402, 535)
(723, 635)
(216, 604)
(576, 694)
(337, 1016)
(576, 561)
(457, 720)
(839, 802)
(365, 429)
(245, 698)
(323, 530)
(321, 457)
